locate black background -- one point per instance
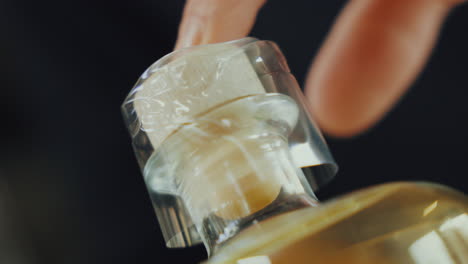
(70, 187)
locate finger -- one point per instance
(373, 53)
(211, 21)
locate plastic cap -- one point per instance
(215, 129)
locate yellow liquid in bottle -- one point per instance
(393, 223)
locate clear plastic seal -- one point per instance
(221, 131)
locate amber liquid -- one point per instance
(394, 223)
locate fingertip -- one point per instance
(373, 54)
(336, 122)
(189, 35)
(339, 127)
(213, 21)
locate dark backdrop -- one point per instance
(70, 188)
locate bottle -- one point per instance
(231, 158)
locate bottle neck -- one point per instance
(232, 167)
(237, 181)
(216, 231)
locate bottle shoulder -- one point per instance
(387, 217)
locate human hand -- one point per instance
(373, 53)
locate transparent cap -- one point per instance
(193, 104)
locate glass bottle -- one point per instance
(231, 158)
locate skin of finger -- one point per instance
(374, 52)
(211, 21)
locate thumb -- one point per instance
(211, 21)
